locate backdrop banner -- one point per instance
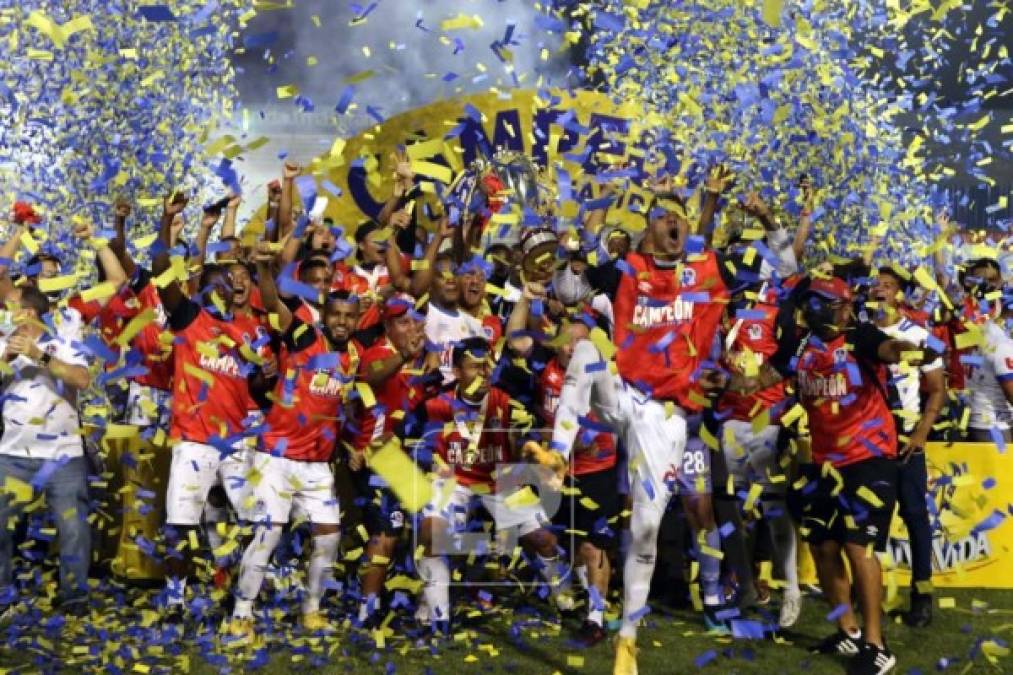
(971, 490)
(571, 135)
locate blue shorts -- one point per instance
(695, 472)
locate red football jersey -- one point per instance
(450, 419)
(253, 329)
(665, 322)
(108, 319)
(755, 338)
(157, 354)
(596, 456)
(201, 410)
(398, 392)
(305, 417)
(492, 328)
(359, 281)
(117, 313)
(848, 412)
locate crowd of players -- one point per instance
(613, 369)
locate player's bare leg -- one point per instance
(379, 551)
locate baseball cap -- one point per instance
(833, 288)
(397, 305)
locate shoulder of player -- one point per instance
(440, 408)
(382, 349)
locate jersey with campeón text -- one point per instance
(313, 383)
(846, 402)
(209, 392)
(665, 322)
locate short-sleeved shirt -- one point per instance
(472, 439)
(991, 365)
(444, 329)
(313, 383)
(400, 392)
(841, 386)
(905, 381)
(210, 395)
(39, 410)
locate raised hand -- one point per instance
(174, 205)
(404, 177)
(400, 219)
(534, 291)
(290, 170)
(719, 179)
(122, 208)
(264, 253)
(84, 231)
(755, 206)
(209, 219)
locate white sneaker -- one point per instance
(791, 607)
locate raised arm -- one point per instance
(423, 276)
(946, 230)
(273, 204)
(231, 211)
(264, 257)
(118, 244)
(805, 219)
(404, 181)
(171, 294)
(777, 237)
(517, 324)
(7, 252)
(288, 173)
(107, 259)
(207, 224)
(719, 179)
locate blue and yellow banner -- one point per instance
(971, 509)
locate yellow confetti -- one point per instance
(402, 474)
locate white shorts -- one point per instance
(196, 468)
(289, 489)
(752, 457)
(654, 437)
(452, 502)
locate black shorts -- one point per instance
(381, 510)
(859, 513)
(592, 511)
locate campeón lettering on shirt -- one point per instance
(647, 313)
(818, 386)
(223, 365)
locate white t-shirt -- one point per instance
(908, 383)
(40, 412)
(989, 407)
(444, 329)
